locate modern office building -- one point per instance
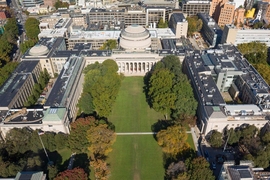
(193, 7)
(16, 90)
(239, 17)
(226, 14)
(233, 35)
(179, 25)
(222, 75)
(210, 31)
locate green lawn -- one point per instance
(134, 156)
(190, 141)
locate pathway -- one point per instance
(139, 133)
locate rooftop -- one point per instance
(23, 116)
(50, 33)
(15, 81)
(62, 87)
(30, 175)
(179, 17)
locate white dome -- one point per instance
(135, 37)
(38, 50)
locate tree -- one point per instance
(32, 28)
(177, 171)
(77, 139)
(86, 103)
(194, 25)
(61, 140)
(160, 91)
(101, 169)
(199, 169)
(100, 140)
(109, 45)
(60, 4)
(266, 137)
(257, 25)
(233, 136)
(52, 172)
(173, 140)
(162, 24)
(74, 174)
(216, 139)
(249, 131)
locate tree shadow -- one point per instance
(161, 125)
(146, 80)
(82, 160)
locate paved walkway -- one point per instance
(139, 133)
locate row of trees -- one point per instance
(7, 43)
(101, 86)
(168, 90)
(255, 141)
(256, 54)
(32, 31)
(38, 88)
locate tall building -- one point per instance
(193, 7)
(214, 8)
(32, 3)
(226, 14)
(239, 16)
(210, 31)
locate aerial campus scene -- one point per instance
(134, 90)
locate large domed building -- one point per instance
(135, 37)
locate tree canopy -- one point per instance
(169, 91)
(60, 4)
(194, 25)
(74, 174)
(199, 169)
(31, 28)
(162, 24)
(101, 86)
(173, 140)
(216, 139)
(109, 45)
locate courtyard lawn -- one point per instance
(134, 156)
(190, 141)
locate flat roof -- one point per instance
(52, 32)
(33, 116)
(65, 54)
(179, 17)
(15, 81)
(61, 89)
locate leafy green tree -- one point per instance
(264, 70)
(216, 139)
(162, 24)
(160, 91)
(199, 169)
(233, 136)
(101, 169)
(27, 44)
(32, 28)
(173, 140)
(60, 4)
(258, 25)
(249, 131)
(100, 139)
(77, 139)
(52, 172)
(61, 140)
(266, 138)
(109, 45)
(194, 25)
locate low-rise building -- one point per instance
(233, 35)
(218, 72)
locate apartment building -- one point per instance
(220, 71)
(178, 24)
(226, 14)
(16, 90)
(193, 7)
(235, 36)
(210, 31)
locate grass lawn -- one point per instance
(134, 156)
(65, 154)
(190, 141)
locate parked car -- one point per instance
(214, 166)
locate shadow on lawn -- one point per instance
(160, 125)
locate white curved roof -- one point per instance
(134, 28)
(38, 50)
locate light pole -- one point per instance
(49, 161)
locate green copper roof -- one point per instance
(54, 114)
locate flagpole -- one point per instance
(44, 148)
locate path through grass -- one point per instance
(134, 156)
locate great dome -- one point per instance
(38, 50)
(135, 37)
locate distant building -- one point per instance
(3, 3)
(178, 24)
(30, 175)
(239, 16)
(235, 36)
(31, 3)
(210, 31)
(3, 15)
(49, 3)
(193, 7)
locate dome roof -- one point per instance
(134, 28)
(38, 50)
